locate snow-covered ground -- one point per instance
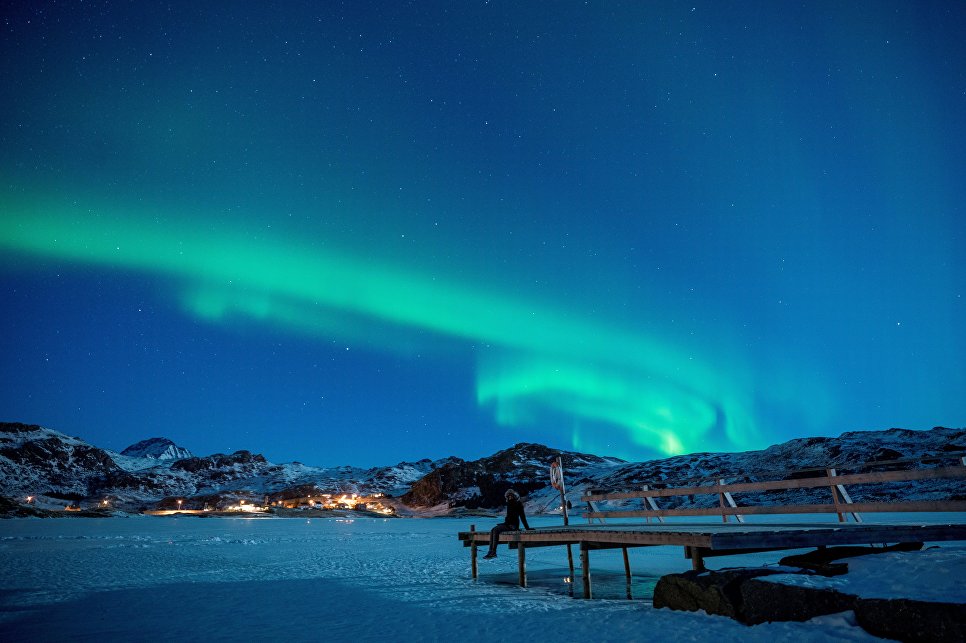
(171, 578)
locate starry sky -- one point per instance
(366, 232)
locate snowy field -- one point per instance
(171, 578)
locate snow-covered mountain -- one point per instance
(35, 461)
(56, 468)
(46, 464)
(156, 449)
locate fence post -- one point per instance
(721, 501)
(592, 506)
(652, 504)
(726, 497)
(830, 473)
(840, 489)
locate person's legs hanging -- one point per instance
(495, 538)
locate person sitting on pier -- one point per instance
(514, 515)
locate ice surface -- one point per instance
(169, 578)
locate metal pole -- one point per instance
(563, 492)
(566, 516)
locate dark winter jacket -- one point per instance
(515, 513)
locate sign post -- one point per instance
(557, 482)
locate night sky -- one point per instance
(359, 233)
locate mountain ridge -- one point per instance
(54, 468)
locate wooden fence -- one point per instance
(841, 502)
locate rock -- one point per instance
(19, 427)
(764, 602)
(883, 454)
(714, 592)
(910, 620)
(437, 485)
(738, 594)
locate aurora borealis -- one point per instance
(356, 235)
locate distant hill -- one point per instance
(57, 469)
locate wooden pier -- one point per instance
(705, 540)
(702, 540)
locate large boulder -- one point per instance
(714, 592)
(739, 594)
(763, 602)
(746, 596)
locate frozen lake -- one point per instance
(163, 578)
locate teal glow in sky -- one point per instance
(360, 235)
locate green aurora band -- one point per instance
(534, 362)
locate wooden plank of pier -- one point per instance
(726, 536)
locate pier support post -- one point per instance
(627, 572)
(697, 559)
(522, 563)
(570, 562)
(473, 554)
(585, 568)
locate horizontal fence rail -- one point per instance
(808, 472)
